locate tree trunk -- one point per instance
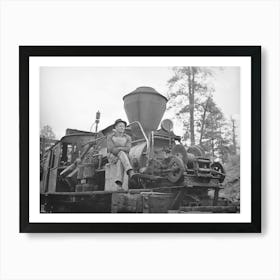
(233, 136)
(221, 145)
(213, 148)
(212, 138)
(191, 100)
(203, 122)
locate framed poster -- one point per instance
(140, 138)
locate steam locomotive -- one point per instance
(171, 178)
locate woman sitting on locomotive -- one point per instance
(118, 147)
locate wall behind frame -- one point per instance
(139, 256)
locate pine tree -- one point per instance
(185, 88)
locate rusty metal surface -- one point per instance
(126, 203)
(155, 202)
(54, 162)
(146, 106)
(137, 152)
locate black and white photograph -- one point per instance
(140, 135)
(140, 139)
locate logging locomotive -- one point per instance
(76, 176)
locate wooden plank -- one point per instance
(212, 209)
(78, 193)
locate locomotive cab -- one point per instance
(62, 157)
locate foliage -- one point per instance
(47, 132)
(232, 180)
(191, 98)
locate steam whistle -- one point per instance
(97, 120)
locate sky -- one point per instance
(71, 96)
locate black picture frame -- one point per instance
(254, 52)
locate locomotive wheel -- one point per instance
(177, 169)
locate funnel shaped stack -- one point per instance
(145, 105)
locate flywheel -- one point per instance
(176, 169)
(196, 150)
(180, 151)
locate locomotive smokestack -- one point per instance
(145, 105)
